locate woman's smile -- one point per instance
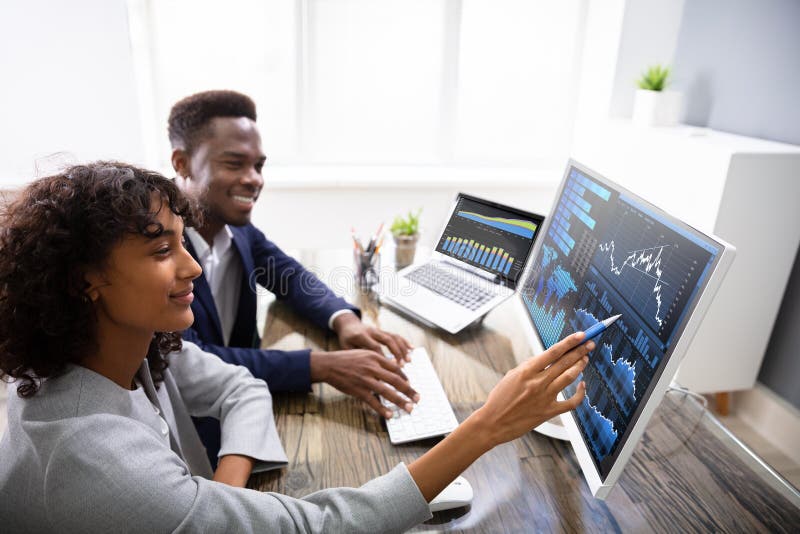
(185, 297)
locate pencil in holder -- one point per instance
(367, 266)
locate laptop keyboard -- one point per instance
(450, 286)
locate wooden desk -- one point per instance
(686, 475)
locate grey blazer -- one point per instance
(85, 455)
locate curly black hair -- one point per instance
(189, 118)
(58, 229)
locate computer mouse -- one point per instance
(457, 494)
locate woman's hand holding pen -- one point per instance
(524, 398)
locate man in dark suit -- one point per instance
(217, 154)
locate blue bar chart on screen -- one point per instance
(607, 254)
(487, 237)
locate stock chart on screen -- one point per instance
(606, 253)
(488, 237)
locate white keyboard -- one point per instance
(432, 416)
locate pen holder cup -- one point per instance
(367, 266)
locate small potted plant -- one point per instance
(654, 105)
(405, 231)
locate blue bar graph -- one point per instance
(604, 302)
(564, 236)
(502, 265)
(642, 344)
(562, 223)
(494, 258)
(579, 213)
(563, 246)
(496, 261)
(595, 188)
(585, 206)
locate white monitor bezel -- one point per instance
(600, 487)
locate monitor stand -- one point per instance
(554, 429)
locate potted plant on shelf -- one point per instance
(405, 231)
(654, 105)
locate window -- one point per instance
(456, 83)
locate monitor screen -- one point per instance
(607, 252)
(489, 236)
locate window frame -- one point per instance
(302, 171)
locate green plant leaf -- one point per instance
(406, 225)
(655, 78)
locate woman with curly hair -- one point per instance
(94, 284)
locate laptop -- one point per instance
(478, 260)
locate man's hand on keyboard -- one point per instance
(355, 334)
(362, 374)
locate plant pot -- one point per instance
(405, 246)
(656, 108)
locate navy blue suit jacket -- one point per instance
(267, 265)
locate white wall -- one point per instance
(67, 86)
(649, 36)
(322, 217)
(740, 74)
(69, 94)
(623, 38)
(69, 89)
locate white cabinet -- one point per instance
(746, 191)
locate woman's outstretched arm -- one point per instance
(522, 400)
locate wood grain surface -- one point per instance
(682, 477)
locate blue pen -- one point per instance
(600, 327)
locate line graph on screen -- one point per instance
(646, 261)
(647, 265)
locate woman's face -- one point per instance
(147, 283)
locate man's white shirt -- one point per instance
(223, 269)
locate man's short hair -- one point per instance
(190, 117)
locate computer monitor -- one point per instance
(605, 251)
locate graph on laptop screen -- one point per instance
(607, 253)
(488, 237)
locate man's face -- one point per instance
(225, 169)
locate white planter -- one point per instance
(405, 248)
(657, 108)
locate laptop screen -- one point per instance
(489, 236)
